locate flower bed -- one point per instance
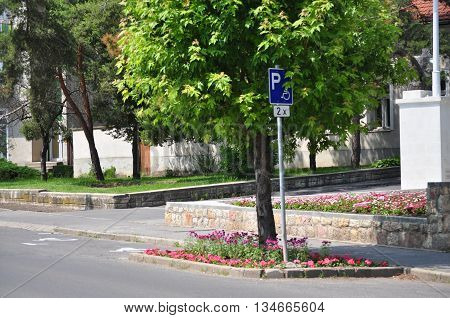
(386, 203)
(241, 249)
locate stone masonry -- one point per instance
(373, 229)
(431, 231)
(438, 215)
(86, 201)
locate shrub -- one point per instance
(234, 161)
(11, 171)
(110, 172)
(62, 171)
(205, 162)
(385, 163)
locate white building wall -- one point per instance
(19, 149)
(112, 152)
(178, 157)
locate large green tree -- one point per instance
(200, 67)
(87, 21)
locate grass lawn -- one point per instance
(128, 185)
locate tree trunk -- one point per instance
(356, 145)
(312, 161)
(44, 152)
(136, 154)
(86, 123)
(94, 156)
(266, 222)
(312, 148)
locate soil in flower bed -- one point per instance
(241, 249)
(386, 203)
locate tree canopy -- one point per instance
(198, 68)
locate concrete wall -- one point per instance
(178, 157)
(19, 149)
(112, 152)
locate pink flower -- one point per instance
(310, 264)
(351, 261)
(368, 262)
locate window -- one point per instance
(383, 116)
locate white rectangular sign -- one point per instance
(281, 111)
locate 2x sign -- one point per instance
(278, 94)
(281, 111)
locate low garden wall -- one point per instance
(430, 232)
(87, 201)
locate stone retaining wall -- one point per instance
(431, 231)
(373, 229)
(85, 201)
(438, 215)
(78, 201)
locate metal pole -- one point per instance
(436, 61)
(281, 168)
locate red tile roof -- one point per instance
(424, 9)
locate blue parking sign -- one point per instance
(278, 94)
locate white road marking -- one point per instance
(54, 239)
(128, 249)
(34, 244)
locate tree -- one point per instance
(88, 22)
(67, 35)
(29, 73)
(119, 117)
(416, 36)
(201, 66)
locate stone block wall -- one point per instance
(438, 215)
(77, 201)
(86, 201)
(373, 229)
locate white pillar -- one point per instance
(436, 60)
(424, 139)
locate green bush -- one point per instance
(234, 161)
(385, 163)
(11, 171)
(110, 172)
(205, 162)
(62, 171)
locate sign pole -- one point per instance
(282, 203)
(282, 199)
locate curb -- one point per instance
(118, 237)
(430, 275)
(270, 273)
(91, 234)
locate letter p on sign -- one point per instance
(276, 79)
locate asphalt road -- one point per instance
(36, 264)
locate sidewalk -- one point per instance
(147, 225)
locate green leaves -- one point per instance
(209, 60)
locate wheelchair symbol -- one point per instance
(286, 95)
